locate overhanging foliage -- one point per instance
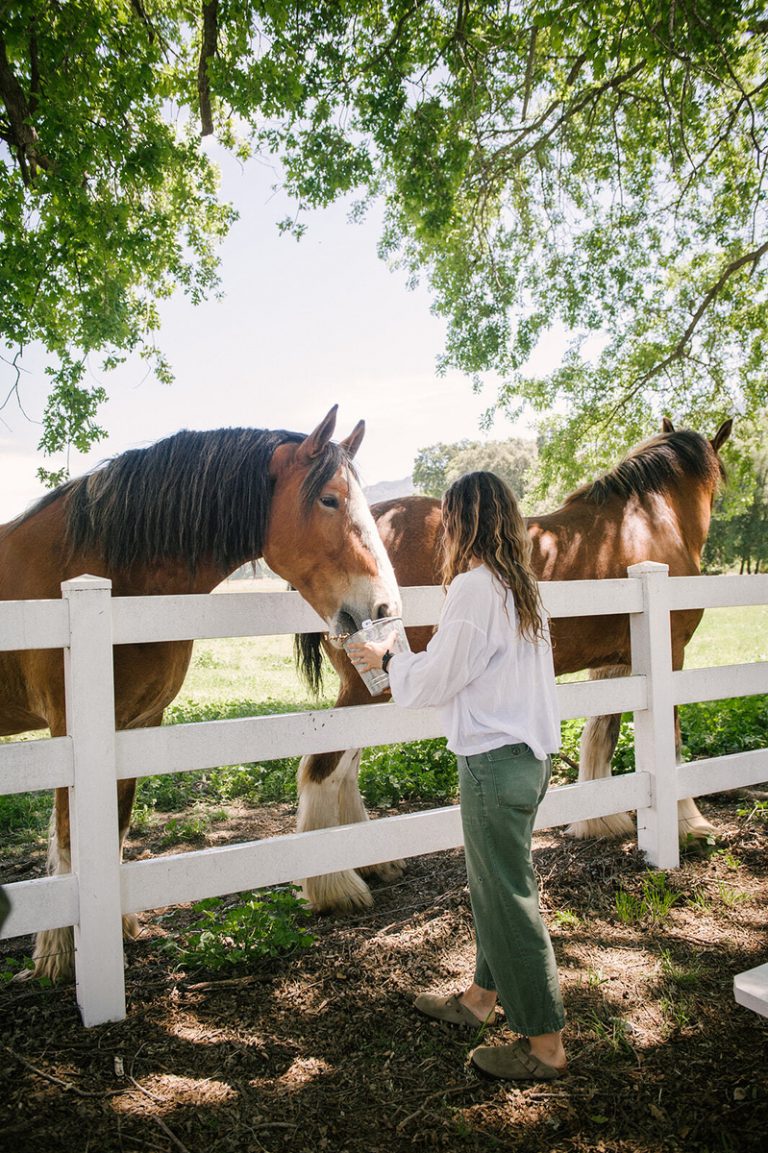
(592, 166)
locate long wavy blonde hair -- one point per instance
(481, 519)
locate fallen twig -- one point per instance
(158, 1120)
(226, 983)
(67, 1086)
(430, 1097)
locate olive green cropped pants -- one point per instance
(500, 793)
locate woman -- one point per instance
(489, 668)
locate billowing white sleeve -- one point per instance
(457, 653)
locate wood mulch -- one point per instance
(321, 1051)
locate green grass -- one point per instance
(652, 905)
(260, 669)
(729, 636)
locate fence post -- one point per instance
(651, 638)
(89, 682)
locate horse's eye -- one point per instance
(329, 501)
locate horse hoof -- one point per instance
(54, 955)
(337, 892)
(131, 926)
(614, 827)
(696, 831)
(691, 824)
(387, 871)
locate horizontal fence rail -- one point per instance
(181, 877)
(87, 622)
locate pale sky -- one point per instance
(303, 325)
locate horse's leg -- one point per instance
(126, 791)
(690, 822)
(598, 743)
(54, 950)
(328, 796)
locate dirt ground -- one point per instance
(321, 1051)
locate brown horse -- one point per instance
(655, 505)
(178, 517)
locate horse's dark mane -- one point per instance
(655, 466)
(192, 496)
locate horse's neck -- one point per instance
(694, 516)
(582, 540)
(170, 578)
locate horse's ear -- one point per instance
(317, 440)
(722, 434)
(667, 425)
(353, 441)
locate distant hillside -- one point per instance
(389, 489)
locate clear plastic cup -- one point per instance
(376, 680)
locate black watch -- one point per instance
(385, 660)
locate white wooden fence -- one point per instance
(88, 621)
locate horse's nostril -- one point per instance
(383, 611)
(346, 623)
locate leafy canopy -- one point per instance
(596, 167)
(514, 460)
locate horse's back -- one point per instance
(32, 554)
(587, 541)
(410, 527)
(34, 561)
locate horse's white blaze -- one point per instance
(386, 590)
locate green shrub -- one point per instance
(756, 812)
(708, 729)
(228, 934)
(422, 771)
(191, 828)
(25, 813)
(715, 728)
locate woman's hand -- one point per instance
(368, 655)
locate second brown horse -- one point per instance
(654, 506)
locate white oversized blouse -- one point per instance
(493, 686)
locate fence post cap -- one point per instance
(86, 581)
(647, 566)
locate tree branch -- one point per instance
(678, 352)
(207, 53)
(529, 72)
(141, 12)
(567, 111)
(23, 135)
